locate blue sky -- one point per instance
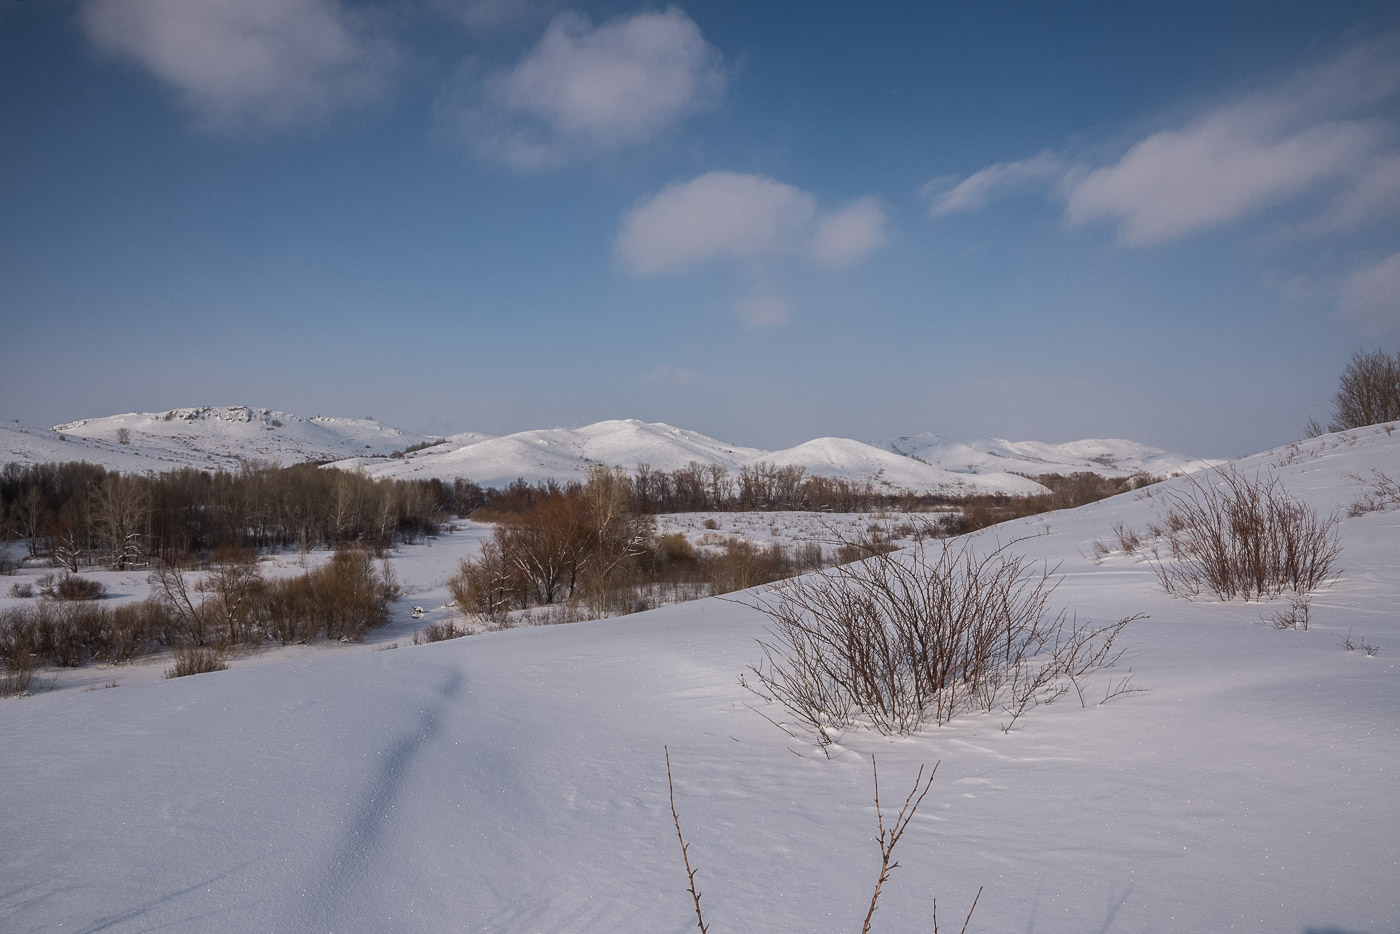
(768, 222)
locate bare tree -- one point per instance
(121, 509)
(1369, 392)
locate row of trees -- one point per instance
(79, 513)
(699, 487)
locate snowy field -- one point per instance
(515, 782)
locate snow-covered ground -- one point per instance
(515, 782)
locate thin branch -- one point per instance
(689, 872)
(889, 838)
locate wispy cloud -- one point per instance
(249, 65)
(949, 196)
(585, 90)
(743, 217)
(1327, 130)
(1225, 167)
(1371, 296)
(850, 234)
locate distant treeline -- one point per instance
(761, 487)
(83, 514)
(79, 513)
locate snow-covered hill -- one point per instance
(233, 433)
(842, 457)
(205, 437)
(225, 437)
(1107, 457)
(516, 782)
(561, 454)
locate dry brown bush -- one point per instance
(1240, 536)
(343, 599)
(16, 674)
(196, 660)
(440, 632)
(70, 586)
(1378, 492)
(901, 639)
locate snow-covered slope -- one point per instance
(852, 460)
(21, 444)
(1108, 457)
(226, 435)
(563, 454)
(515, 783)
(567, 454)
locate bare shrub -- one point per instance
(923, 635)
(73, 587)
(874, 542)
(711, 524)
(743, 564)
(1365, 646)
(343, 599)
(1378, 492)
(21, 589)
(1297, 615)
(136, 629)
(16, 673)
(196, 660)
(233, 588)
(1237, 536)
(65, 634)
(487, 588)
(1128, 540)
(440, 632)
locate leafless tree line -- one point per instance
(81, 514)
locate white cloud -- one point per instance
(765, 311)
(847, 236)
(743, 217)
(586, 90)
(1215, 171)
(1371, 296)
(717, 214)
(980, 187)
(1329, 130)
(248, 64)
